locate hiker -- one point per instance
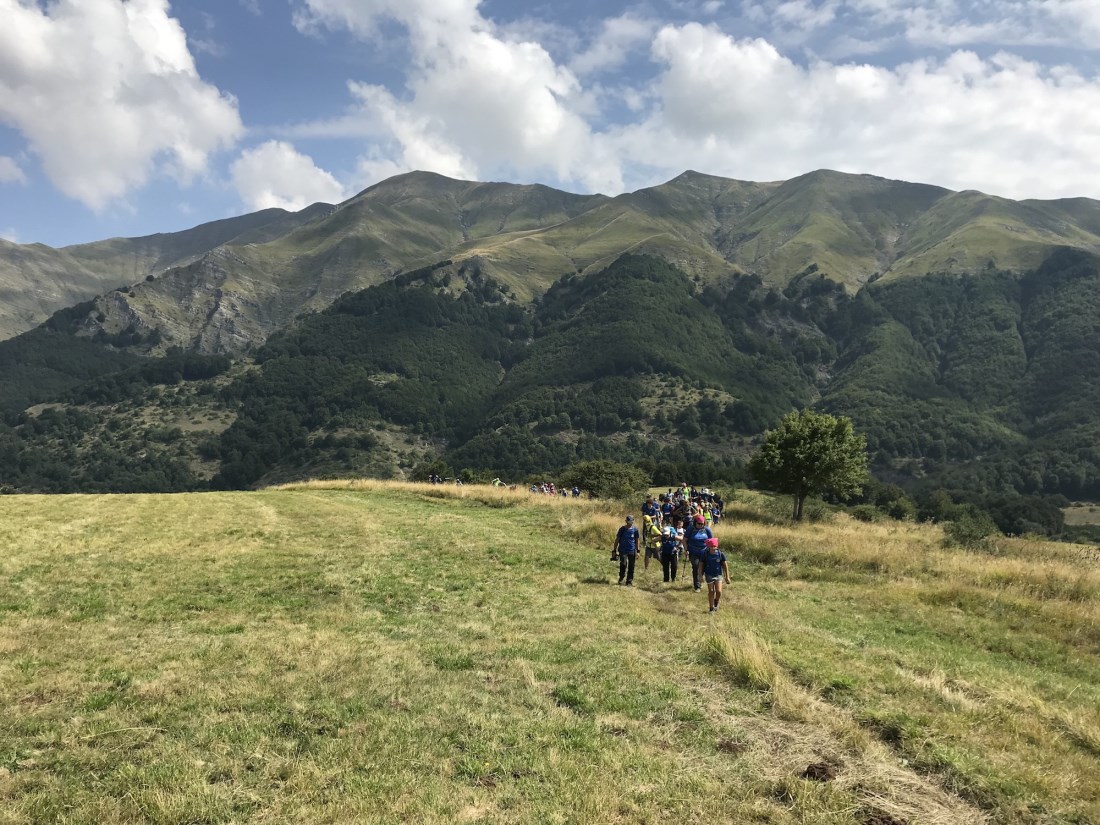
(626, 550)
(695, 541)
(650, 508)
(666, 509)
(715, 569)
(651, 538)
(670, 552)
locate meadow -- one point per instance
(370, 652)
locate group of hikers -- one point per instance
(676, 525)
(547, 488)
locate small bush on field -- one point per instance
(816, 511)
(605, 479)
(901, 509)
(866, 512)
(971, 528)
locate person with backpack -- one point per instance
(651, 539)
(626, 550)
(715, 569)
(695, 542)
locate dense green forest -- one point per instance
(986, 386)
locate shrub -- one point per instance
(971, 528)
(865, 512)
(901, 508)
(605, 479)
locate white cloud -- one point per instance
(275, 174)
(106, 94)
(478, 103)
(741, 108)
(805, 14)
(618, 37)
(932, 23)
(1082, 16)
(10, 172)
(430, 21)
(417, 141)
(9, 235)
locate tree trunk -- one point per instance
(799, 498)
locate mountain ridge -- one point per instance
(227, 285)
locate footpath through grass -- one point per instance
(367, 653)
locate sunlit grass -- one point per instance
(369, 651)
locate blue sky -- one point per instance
(128, 118)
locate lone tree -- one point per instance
(605, 479)
(809, 453)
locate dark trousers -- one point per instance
(696, 571)
(626, 566)
(669, 563)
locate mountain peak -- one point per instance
(416, 181)
(691, 176)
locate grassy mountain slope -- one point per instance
(970, 232)
(854, 228)
(849, 226)
(36, 280)
(373, 653)
(235, 297)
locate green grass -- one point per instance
(393, 653)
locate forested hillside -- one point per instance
(984, 383)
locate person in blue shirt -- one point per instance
(666, 509)
(715, 569)
(695, 538)
(626, 550)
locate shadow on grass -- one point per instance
(604, 580)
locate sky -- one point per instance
(129, 117)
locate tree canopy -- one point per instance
(605, 479)
(809, 453)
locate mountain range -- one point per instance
(225, 286)
(513, 329)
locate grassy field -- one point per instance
(1083, 514)
(376, 653)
